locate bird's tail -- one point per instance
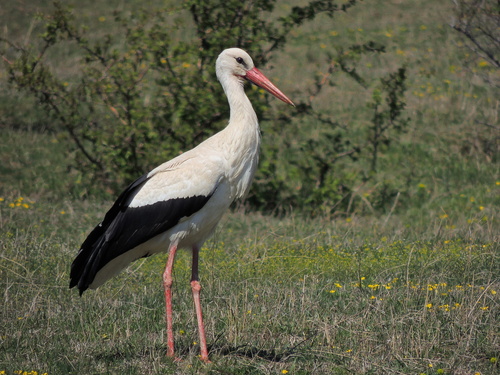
(88, 260)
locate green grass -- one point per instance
(305, 297)
(372, 291)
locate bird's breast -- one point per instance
(243, 160)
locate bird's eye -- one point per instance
(239, 60)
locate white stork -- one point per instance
(179, 203)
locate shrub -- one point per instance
(147, 93)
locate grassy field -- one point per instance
(413, 291)
(287, 296)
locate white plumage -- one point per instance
(179, 203)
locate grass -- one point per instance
(394, 291)
(288, 295)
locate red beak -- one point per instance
(255, 76)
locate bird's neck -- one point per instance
(243, 129)
(242, 132)
(242, 113)
(241, 138)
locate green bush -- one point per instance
(147, 93)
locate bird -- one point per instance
(179, 203)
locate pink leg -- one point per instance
(196, 287)
(167, 285)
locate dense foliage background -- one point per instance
(145, 91)
(128, 90)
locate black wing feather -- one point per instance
(124, 228)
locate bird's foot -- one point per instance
(174, 358)
(205, 359)
(171, 355)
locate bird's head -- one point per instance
(234, 62)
